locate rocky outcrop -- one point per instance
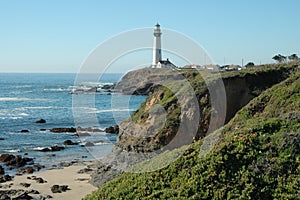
(30, 169)
(112, 129)
(63, 130)
(14, 194)
(145, 81)
(5, 178)
(15, 161)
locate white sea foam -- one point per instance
(23, 99)
(23, 86)
(38, 148)
(13, 150)
(56, 89)
(112, 110)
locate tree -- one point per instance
(279, 58)
(293, 57)
(249, 65)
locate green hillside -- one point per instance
(256, 157)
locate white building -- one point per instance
(165, 64)
(157, 61)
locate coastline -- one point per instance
(78, 183)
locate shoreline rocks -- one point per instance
(59, 188)
(15, 161)
(112, 129)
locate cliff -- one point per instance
(180, 100)
(256, 155)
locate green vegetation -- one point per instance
(256, 157)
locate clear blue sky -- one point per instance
(57, 35)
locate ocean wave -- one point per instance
(10, 114)
(38, 148)
(23, 99)
(112, 110)
(95, 83)
(13, 150)
(23, 86)
(57, 89)
(21, 92)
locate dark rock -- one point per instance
(4, 178)
(26, 170)
(63, 130)
(85, 171)
(37, 179)
(14, 161)
(89, 129)
(59, 188)
(57, 148)
(6, 157)
(112, 129)
(14, 194)
(25, 185)
(24, 131)
(41, 121)
(41, 197)
(40, 180)
(42, 129)
(53, 148)
(2, 172)
(89, 144)
(70, 142)
(2, 139)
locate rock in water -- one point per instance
(112, 129)
(70, 142)
(53, 148)
(40, 121)
(89, 144)
(63, 130)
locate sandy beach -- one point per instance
(77, 183)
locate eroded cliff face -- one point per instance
(185, 106)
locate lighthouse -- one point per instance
(156, 46)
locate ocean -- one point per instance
(26, 98)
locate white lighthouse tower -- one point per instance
(156, 46)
